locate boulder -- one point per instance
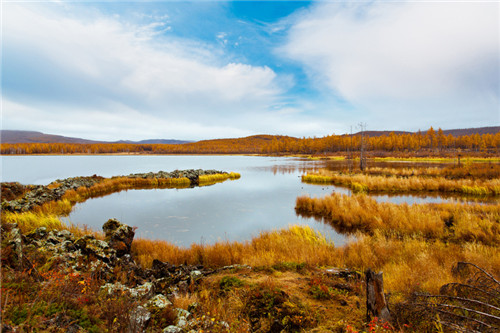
(139, 318)
(119, 236)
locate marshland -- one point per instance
(286, 240)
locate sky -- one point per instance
(112, 70)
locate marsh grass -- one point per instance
(297, 243)
(406, 184)
(447, 221)
(467, 170)
(216, 178)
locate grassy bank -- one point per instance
(454, 222)
(372, 183)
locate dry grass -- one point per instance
(219, 177)
(404, 184)
(469, 171)
(450, 221)
(299, 244)
(29, 221)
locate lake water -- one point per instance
(262, 199)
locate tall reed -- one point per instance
(215, 178)
(393, 184)
(452, 221)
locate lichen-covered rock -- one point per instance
(119, 236)
(159, 301)
(172, 329)
(139, 318)
(145, 290)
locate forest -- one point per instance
(428, 143)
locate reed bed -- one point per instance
(382, 184)
(452, 221)
(219, 177)
(298, 243)
(29, 221)
(409, 263)
(470, 171)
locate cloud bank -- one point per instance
(429, 62)
(95, 71)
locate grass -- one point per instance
(406, 184)
(219, 177)
(455, 222)
(268, 249)
(466, 170)
(439, 159)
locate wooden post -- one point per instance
(376, 305)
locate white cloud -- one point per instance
(95, 67)
(395, 59)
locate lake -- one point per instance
(262, 199)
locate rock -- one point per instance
(182, 318)
(142, 291)
(161, 269)
(163, 285)
(119, 236)
(38, 233)
(139, 318)
(17, 245)
(65, 234)
(159, 301)
(196, 275)
(172, 329)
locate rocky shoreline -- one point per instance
(22, 198)
(152, 289)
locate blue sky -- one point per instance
(115, 70)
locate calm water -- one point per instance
(262, 199)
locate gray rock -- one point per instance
(139, 318)
(159, 301)
(172, 329)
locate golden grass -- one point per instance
(302, 243)
(216, 178)
(439, 159)
(29, 221)
(429, 221)
(466, 170)
(409, 263)
(382, 184)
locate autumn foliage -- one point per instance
(427, 143)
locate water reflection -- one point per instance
(263, 199)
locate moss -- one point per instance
(229, 282)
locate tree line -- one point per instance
(429, 142)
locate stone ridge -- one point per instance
(37, 195)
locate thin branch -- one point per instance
(460, 299)
(479, 268)
(459, 316)
(455, 284)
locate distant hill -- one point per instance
(469, 131)
(14, 136)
